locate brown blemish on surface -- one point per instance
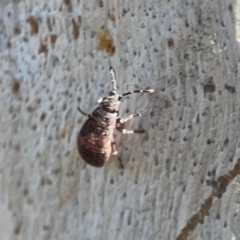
(17, 229)
(53, 38)
(16, 30)
(170, 43)
(222, 184)
(43, 116)
(106, 41)
(111, 15)
(67, 2)
(68, 5)
(167, 104)
(209, 86)
(42, 48)
(8, 44)
(15, 86)
(100, 3)
(25, 192)
(75, 29)
(33, 24)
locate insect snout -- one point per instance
(112, 93)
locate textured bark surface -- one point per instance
(180, 179)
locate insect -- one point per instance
(95, 140)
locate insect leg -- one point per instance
(113, 79)
(123, 120)
(125, 131)
(138, 91)
(114, 150)
(82, 112)
(120, 124)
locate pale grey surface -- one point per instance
(191, 121)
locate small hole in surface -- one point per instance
(64, 107)
(43, 116)
(15, 86)
(34, 127)
(67, 154)
(45, 227)
(29, 109)
(25, 192)
(18, 229)
(8, 44)
(51, 107)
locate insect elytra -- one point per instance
(95, 141)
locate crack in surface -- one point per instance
(222, 183)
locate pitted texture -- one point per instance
(180, 179)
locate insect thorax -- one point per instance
(104, 118)
(111, 103)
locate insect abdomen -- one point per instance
(94, 143)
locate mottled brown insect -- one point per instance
(95, 140)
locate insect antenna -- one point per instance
(82, 112)
(114, 83)
(138, 91)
